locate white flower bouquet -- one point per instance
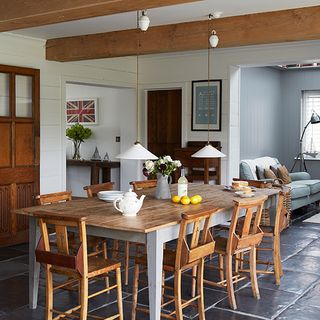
(164, 165)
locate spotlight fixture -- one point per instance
(144, 21)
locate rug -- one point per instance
(313, 219)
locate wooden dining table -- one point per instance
(156, 223)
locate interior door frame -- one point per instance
(183, 86)
(84, 81)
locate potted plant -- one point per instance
(78, 133)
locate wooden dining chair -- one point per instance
(190, 253)
(93, 189)
(78, 267)
(143, 184)
(96, 245)
(50, 198)
(270, 242)
(244, 235)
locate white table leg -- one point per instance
(34, 267)
(155, 258)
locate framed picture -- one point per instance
(82, 111)
(201, 114)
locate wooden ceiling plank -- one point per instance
(253, 29)
(20, 14)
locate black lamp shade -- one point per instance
(315, 118)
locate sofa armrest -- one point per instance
(300, 176)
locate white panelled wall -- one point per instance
(19, 51)
(157, 71)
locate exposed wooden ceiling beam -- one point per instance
(253, 29)
(19, 14)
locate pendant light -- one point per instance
(137, 151)
(208, 151)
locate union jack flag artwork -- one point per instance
(82, 111)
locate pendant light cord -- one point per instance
(137, 82)
(209, 95)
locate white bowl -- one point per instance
(242, 194)
(110, 195)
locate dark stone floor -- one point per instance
(297, 298)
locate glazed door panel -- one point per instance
(19, 149)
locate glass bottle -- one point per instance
(182, 184)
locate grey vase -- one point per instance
(163, 186)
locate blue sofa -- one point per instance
(304, 190)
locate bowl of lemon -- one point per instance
(196, 199)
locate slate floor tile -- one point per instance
(14, 293)
(313, 249)
(291, 281)
(11, 268)
(25, 313)
(113, 308)
(302, 263)
(270, 304)
(7, 253)
(222, 314)
(311, 298)
(298, 312)
(21, 247)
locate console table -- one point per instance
(95, 166)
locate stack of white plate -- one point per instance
(109, 195)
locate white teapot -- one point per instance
(129, 205)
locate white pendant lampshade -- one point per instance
(144, 21)
(137, 152)
(208, 151)
(214, 39)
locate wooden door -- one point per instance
(164, 121)
(19, 149)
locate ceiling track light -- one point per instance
(144, 21)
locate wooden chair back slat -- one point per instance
(62, 257)
(201, 243)
(45, 199)
(143, 184)
(247, 233)
(281, 218)
(62, 239)
(93, 189)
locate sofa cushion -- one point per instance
(299, 190)
(269, 174)
(260, 173)
(248, 167)
(314, 185)
(283, 174)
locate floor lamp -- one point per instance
(315, 118)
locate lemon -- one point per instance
(185, 200)
(194, 200)
(198, 197)
(176, 199)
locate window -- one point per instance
(310, 104)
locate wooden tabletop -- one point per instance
(154, 214)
